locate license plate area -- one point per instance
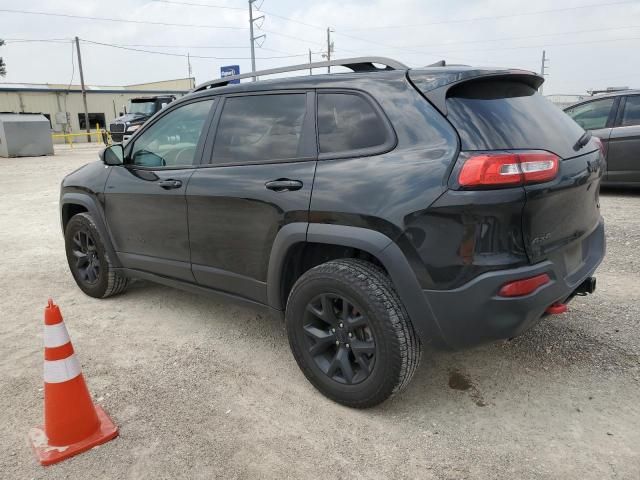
(573, 258)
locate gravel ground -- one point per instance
(204, 389)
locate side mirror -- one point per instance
(113, 155)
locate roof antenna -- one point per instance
(440, 63)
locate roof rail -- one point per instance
(357, 64)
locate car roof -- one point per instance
(440, 75)
(617, 93)
(335, 80)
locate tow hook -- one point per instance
(585, 288)
(557, 308)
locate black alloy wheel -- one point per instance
(339, 338)
(86, 257)
(350, 334)
(89, 260)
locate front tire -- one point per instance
(350, 333)
(89, 260)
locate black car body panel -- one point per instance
(234, 227)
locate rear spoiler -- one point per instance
(435, 83)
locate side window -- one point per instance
(260, 128)
(173, 139)
(592, 115)
(631, 115)
(348, 122)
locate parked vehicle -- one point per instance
(140, 110)
(377, 211)
(615, 119)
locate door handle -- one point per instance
(284, 185)
(170, 184)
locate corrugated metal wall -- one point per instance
(50, 103)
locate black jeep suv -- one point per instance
(377, 210)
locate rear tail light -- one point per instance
(508, 169)
(523, 287)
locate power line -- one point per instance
(203, 47)
(206, 5)
(412, 49)
(294, 21)
(171, 54)
(524, 47)
(493, 17)
(284, 35)
(119, 20)
(279, 34)
(146, 45)
(198, 5)
(33, 40)
(572, 32)
(73, 67)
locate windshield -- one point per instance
(143, 108)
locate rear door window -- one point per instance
(631, 115)
(260, 128)
(498, 114)
(592, 115)
(348, 122)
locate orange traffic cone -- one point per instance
(72, 423)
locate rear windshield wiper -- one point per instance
(582, 141)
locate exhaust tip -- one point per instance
(587, 287)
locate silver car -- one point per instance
(615, 119)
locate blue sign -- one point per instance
(229, 71)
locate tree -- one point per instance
(3, 67)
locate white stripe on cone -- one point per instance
(58, 371)
(55, 335)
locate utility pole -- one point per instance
(543, 66)
(329, 48)
(84, 92)
(189, 69)
(252, 38)
(310, 62)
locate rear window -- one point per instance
(348, 122)
(505, 114)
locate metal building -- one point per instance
(62, 104)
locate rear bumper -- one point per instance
(474, 313)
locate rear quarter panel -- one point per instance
(388, 192)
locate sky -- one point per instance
(591, 44)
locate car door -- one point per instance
(145, 202)
(256, 177)
(596, 116)
(624, 143)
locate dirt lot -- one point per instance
(204, 389)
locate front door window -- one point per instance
(172, 140)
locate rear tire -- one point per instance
(89, 260)
(350, 333)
